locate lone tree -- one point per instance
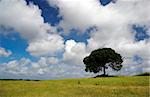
(101, 59)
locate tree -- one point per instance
(101, 59)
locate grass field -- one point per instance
(137, 86)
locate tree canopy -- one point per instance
(101, 59)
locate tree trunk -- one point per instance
(104, 70)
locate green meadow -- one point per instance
(137, 86)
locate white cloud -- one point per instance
(114, 23)
(53, 60)
(132, 67)
(28, 22)
(47, 46)
(15, 67)
(41, 69)
(82, 14)
(4, 52)
(74, 52)
(25, 67)
(23, 18)
(114, 26)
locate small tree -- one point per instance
(101, 59)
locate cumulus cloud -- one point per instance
(25, 66)
(74, 52)
(132, 67)
(53, 60)
(113, 23)
(15, 67)
(28, 22)
(23, 18)
(46, 46)
(86, 13)
(44, 68)
(4, 52)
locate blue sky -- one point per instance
(54, 34)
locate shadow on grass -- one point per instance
(104, 76)
(142, 74)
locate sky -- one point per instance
(48, 39)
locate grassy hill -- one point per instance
(137, 86)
